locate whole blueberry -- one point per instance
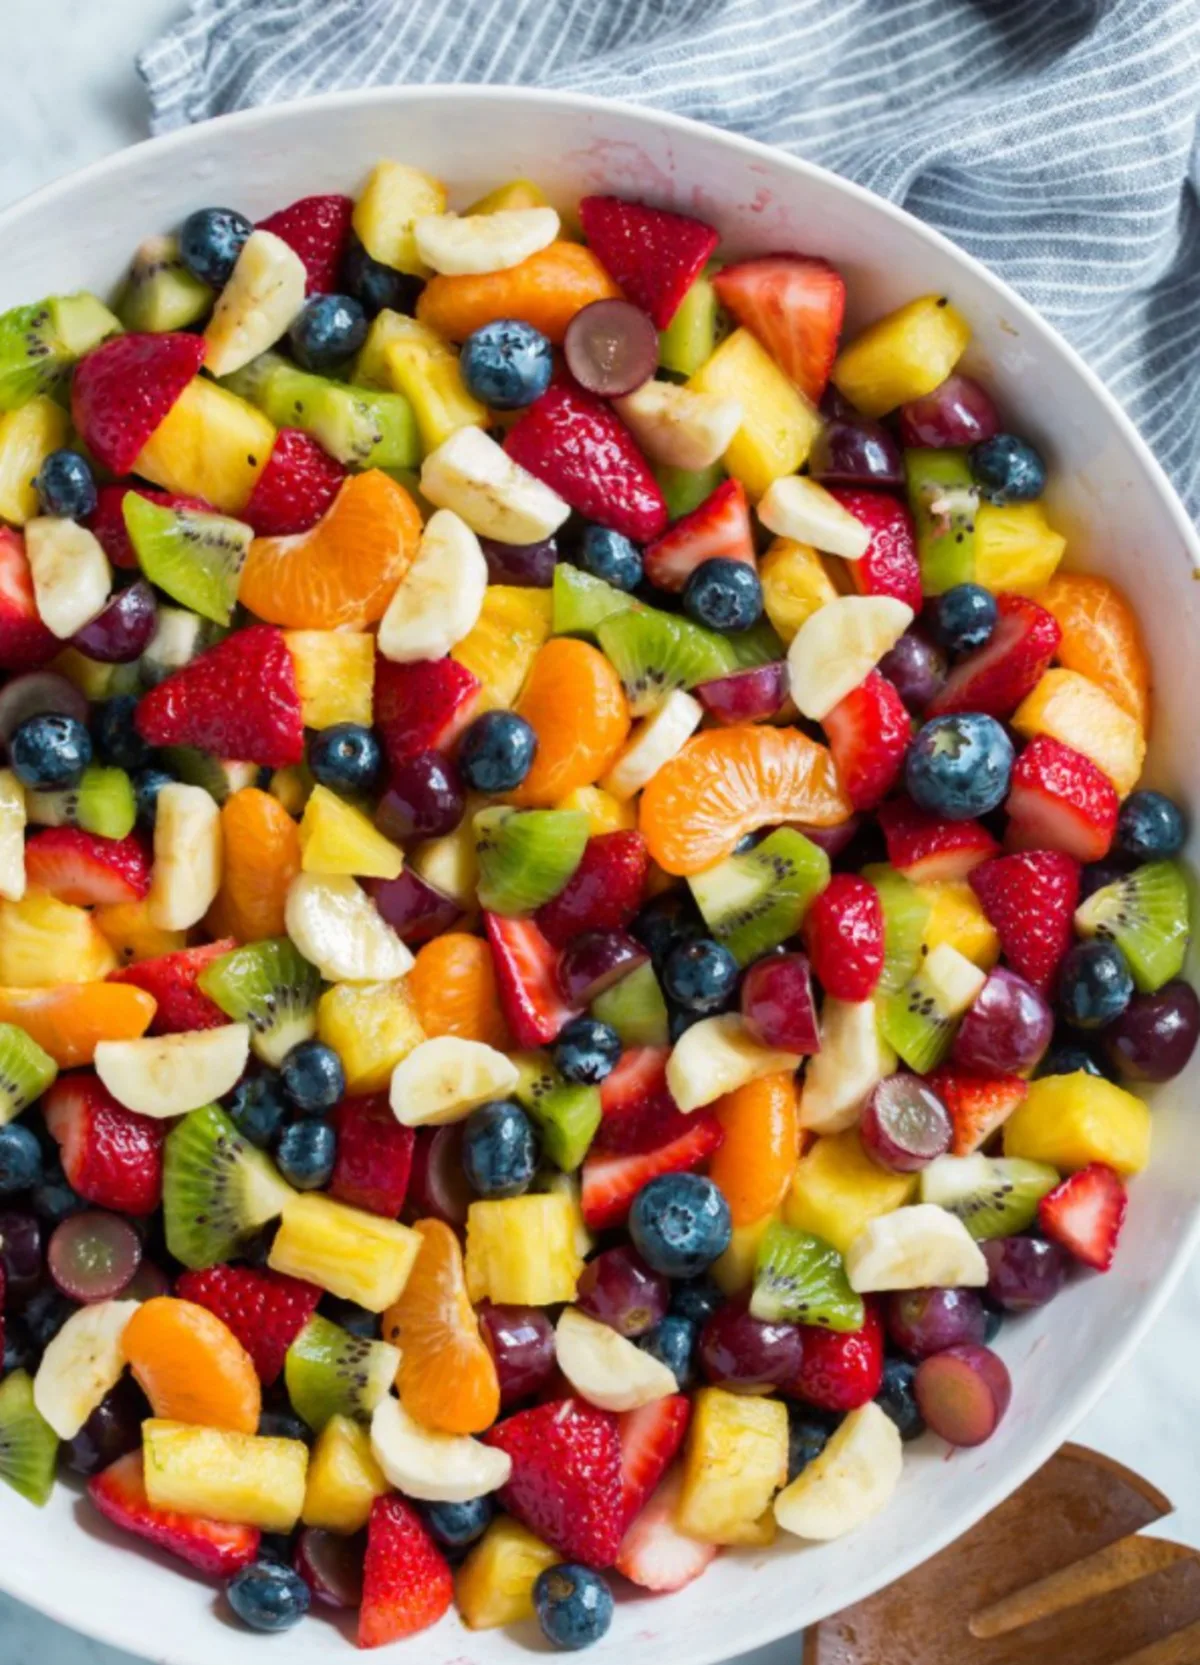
(147, 784)
(574, 1605)
(306, 1153)
(21, 1352)
(1150, 827)
(210, 241)
(808, 1435)
(696, 1300)
(666, 921)
(506, 364)
(377, 286)
(1095, 875)
(66, 486)
(1007, 469)
(612, 556)
(284, 1425)
(959, 766)
(1066, 1058)
(497, 752)
(348, 1315)
(326, 331)
(723, 595)
(680, 1020)
(20, 1159)
(256, 1108)
(672, 1342)
(45, 1313)
(700, 976)
(456, 1525)
(1095, 984)
(898, 1398)
(680, 1224)
(312, 1077)
(345, 758)
(50, 752)
(499, 1149)
(116, 740)
(586, 1051)
(267, 1595)
(53, 1200)
(965, 617)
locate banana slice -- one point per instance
(168, 1075)
(12, 836)
(84, 1362)
(716, 1055)
(853, 1060)
(653, 743)
(444, 1079)
(264, 293)
(335, 924)
(441, 595)
(72, 579)
(839, 645)
(798, 508)
(921, 1247)
(497, 498)
(606, 1368)
(458, 245)
(437, 1468)
(187, 857)
(852, 1479)
(680, 426)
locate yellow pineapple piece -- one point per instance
(518, 193)
(335, 676)
(1016, 548)
(523, 1250)
(735, 1460)
(424, 367)
(502, 644)
(127, 926)
(836, 1190)
(371, 1027)
(604, 812)
(956, 917)
(559, 1184)
(779, 424)
(44, 942)
(733, 1271)
(395, 196)
(27, 437)
(903, 356)
(343, 1478)
(241, 1478)
(795, 585)
(494, 1585)
(344, 1250)
(210, 444)
(337, 838)
(371, 366)
(1074, 709)
(1071, 1120)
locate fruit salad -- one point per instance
(578, 929)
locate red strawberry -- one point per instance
(634, 1099)
(720, 526)
(654, 1553)
(650, 1438)
(296, 487)
(1059, 800)
(212, 1547)
(844, 933)
(423, 706)
(1085, 1214)
(926, 849)
(566, 1483)
(574, 443)
(840, 1372)
(1030, 899)
(603, 893)
(978, 1104)
(318, 228)
(124, 388)
(611, 1182)
(265, 1310)
(869, 731)
(83, 868)
(654, 256)
(171, 979)
(111, 1156)
(890, 565)
(25, 643)
(526, 973)
(794, 304)
(996, 677)
(239, 699)
(407, 1582)
(108, 518)
(374, 1156)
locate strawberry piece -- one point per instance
(926, 849)
(1030, 899)
(869, 733)
(318, 229)
(634, 1098)
(296, 487)
(111, 1156)
(650, 1438)
(171, 979)
(890, 565)
(603, 893)
(843, 930)
(841, 1371)
(108, 519)
(265, 1310)
(1085, 1214)
(653, 256)
(610, 1181)
(239, 699)
(84, 868)
(1060, 800)
(654, 1553)
(374, 1156)
(407, 1582)
(566, 1484)
(25, 643)
(124, 388)
(996, 677)
(794, 304)
(526, 974)
(574, 444)
(978, 1104)
(718, 527)
(423, 706)
(213, 1547)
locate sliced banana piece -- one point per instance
(458, 245)
(72, 579)
(853, 1060)
(852, 1479)
(444, 1079)
(264, 293)
(653, 743)
(437, 1468)
(679, 426)
(84, 1362)
(606, 1368)
(799, 508)
(441, 595)
(922, 1247)
(716, 1055)
(187, 857)
(12, 836)
(335, 924)
(836, 649)
(168, 1075)
(497, 498)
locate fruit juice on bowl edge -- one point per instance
(1105, 492)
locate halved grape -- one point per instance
(1006, 1031)
(620, 1290)
(916, 668)
(611, 348)
(37, 694)
(747, 1354)
(777, 1003)
(416, 911)
(527, 566)
(959, 412)
(1024, 1272)
(854, 451)
(594, 961)
(905, 1125)
(745, 696)
(112, 1431)
(424, 799)
(122, 630)
(521, 1342)
(437, 1184)
(331, 1565)
(922, 1322)
(93, 1256)
(1156, 1034)
(963, 1393)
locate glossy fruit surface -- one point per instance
(777, 1002)
(611, 348)
(963, 1393)
(1156, 1034)
(753, 1166)
(922, 1322)
(453, 985)
(576, 706)
(1024, 1272)
(745, 1354)
(620, 1290)
(93, 1257)
(447, 1378)
(905, 1125)
(521, 1342)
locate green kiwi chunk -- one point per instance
(567, 1114)
(28, 1444)
(40, 343)
(992, 1196)
(691, 337)
(1146, 914)
(684, 489)
(944, 500)
(801, 1279)
(526, 856)
(754, 901)
(760, 645)
(906, 913)
(103, 803)
(581, 602)
(361, 427)
(196, 559)
(654, 653)
(270, 986)
(160, 294)
(217, 1188)
(25, 1071)
(919, 1020)
(329, 1372)
(635, 1008)
(220, 777)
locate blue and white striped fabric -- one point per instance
(1055, 139)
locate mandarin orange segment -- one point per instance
(724, 783)
(191, 1366)
(575, 704)
(1101, 638)
(453, 986)
(754, 1164)
(547, 290)
(346, 569)
(68, 1021)
(133, 934)
(447, 1379)
(261, 857)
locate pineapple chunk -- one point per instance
(735, 1461)
(372, 1027)
(795, 585)
(494, 1585)
(425, 369)
(241, 1478)
(395, 196)
(1072, 708)
(956, 917)
(355, 1255)
(523, 1251)
(27, 437)
(1071, 1120)
(133, 935)
(780, 423)
(733, 1271)
(335, 676)
(1016, 548)
(44, 941)
(903, 356)
(337, 838)
(343, 1478)
(503, 642)
(518, 193)
(836, 1190)
(210, 444)
(604, 812)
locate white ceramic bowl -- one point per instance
(1122, 520)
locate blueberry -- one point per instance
(210, 241)
(53, 1200)
(326, 331)
(499, 1149)
(306, 1152)
(276, 1547)
(808, 1435)
(20, 1159)
(965, 618)
(455, 1525)
(1008, 469)
(345, 758)
(666, 921)
(375, 285)
(574, 1605)
(20, 1350)
(1150, 827)
(1067, 1058)
(268, 1596)
(114, 737)
(66, 486)
(586, 1051)
(700, 976)
(680, 1224)
(672, 1342)
(611, 556)
(680, 1020)
(696, 1300)
(312, 1077)
(1096, 875)
(45, 1313)
(147, 784)
(723, 594)
(1094, 984)
(497, 752)
(50, 752)
(506, 364)
(284, 1425)
(256, 1108)
(959, 766)
(898, 1398)
(350, 1316)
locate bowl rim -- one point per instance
(45, 198)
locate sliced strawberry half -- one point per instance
(374, 1156)
(25, 643)
(296, 487)
(841, 1371)
(239, 699)
(650, 1438)
(566, 1484)
(1060, 800)
(718, 528)
(1085, 1214)
(843, 931)
(111, 1156)
(526, 975)
(926, 849)
(124, 388)
(318, 229)
(603, 893)
(1030, 899)
(978, 1104)
(869, 732)
(422, 707)
(653, 256)
(107, 522)
(407, 1582)
(636, 1107)
(171, 979)
(212, 1547)
(81, 867)
(654, 1554)
(996, 677)
(794, 304)
(610, 1181)
(890, 565)
(265, 1310)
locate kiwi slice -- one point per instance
(684, 489)
(329, 1372)
(906, 910)
(220, 777)
(635, 1008)
(103, 803)
(25, 1071)
(944, 500)
(760, 645)
(802, 1279)
(567, 1114)
(919, 1019)
(160, 293)
(194, 558)
(581, 601)
(992, 1196)
(755, 901)
(359, 426)
(217, 1188)
(691, 337)
(270, 986)
(655, 652)
(28, 1444)
(1146, 914)
(526, 856)
(39, 343)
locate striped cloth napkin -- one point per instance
(1054, 139)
